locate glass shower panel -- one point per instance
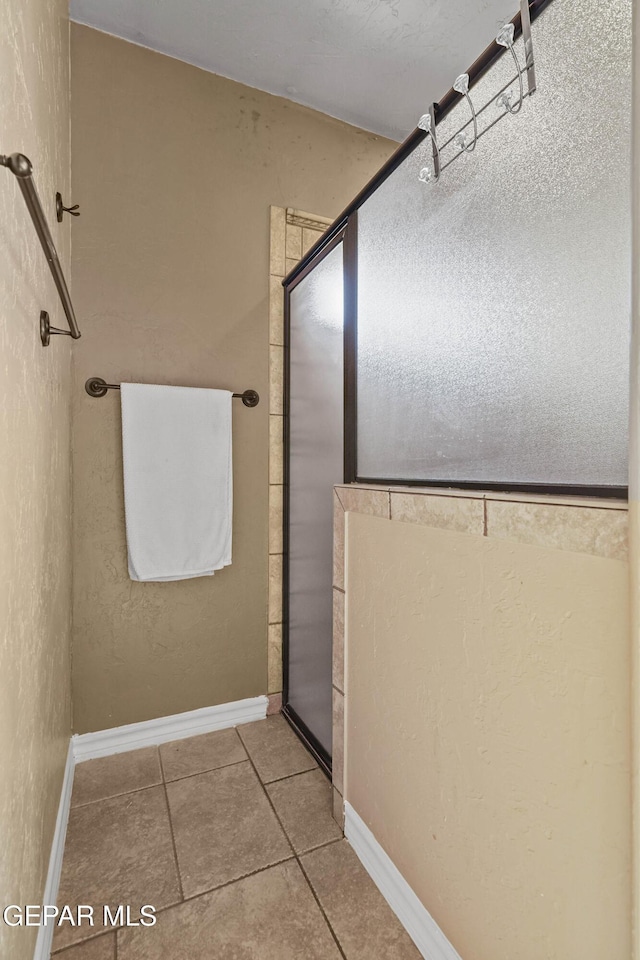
(315, 466)
(494, 304)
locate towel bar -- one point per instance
(97, 387)
(21, 168)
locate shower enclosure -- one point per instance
(484, 341)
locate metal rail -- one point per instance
(22, 169)
(97, 387)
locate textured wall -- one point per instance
(487, 724)
(34, 468)
(176, 169)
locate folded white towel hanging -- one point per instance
(178, 488)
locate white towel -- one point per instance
(176, 446)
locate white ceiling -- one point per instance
(374, 63)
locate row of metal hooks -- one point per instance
(503, 99)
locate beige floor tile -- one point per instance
(276, 449)
(111, 776)
(208, 751)
(337, 766)
(278, 241)
(117, 851)
(269, 916)
(338, 808)
(602, 533)
(101, 948)
(338, 639)
(276, 311)
(294, 241)
(365, 500)
(448, 513)
(275, 588)
(274, 705)
(363, 922)
(274, 660)
(224, 827)
(338, 542)
(304, 806)
(275, 749)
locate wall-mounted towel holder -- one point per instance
(97, 387)
(22, 170)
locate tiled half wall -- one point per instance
(594, 527)
(481, 710)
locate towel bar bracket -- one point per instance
(61, 209)
(47, 331)
(250, 398)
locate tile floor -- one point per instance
(230, 836)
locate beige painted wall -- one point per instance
(487, 718)
(35, 566)
(175, 170)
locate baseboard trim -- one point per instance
(132, 736)
(50, 895)
(415, 918)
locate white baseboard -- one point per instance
(103, 743)
(50, 895)
(88, 746)
(415, 918)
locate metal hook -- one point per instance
(461, 85)
(427, 123)
(505, 39)
(61, 209)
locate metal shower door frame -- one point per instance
(346, 237)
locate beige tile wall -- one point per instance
(579, 525)
(293, 232)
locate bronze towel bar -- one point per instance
(97, 387)
(21, 168)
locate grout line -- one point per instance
(604, 505)
(89, 939)
(264, 790)
(173, 839)
(114, 796)
(484, 517)
(220, 886)
(294, 855)
(389, 496)
(297, 859)
(188, 776)
(618, 504)
(321, 908)
(199, 773)
(289, 776)
(229, 883)
(321, 846)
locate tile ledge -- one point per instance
(589, 503)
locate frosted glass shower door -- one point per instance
(494, 304)
(314, 466)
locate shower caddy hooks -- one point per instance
(427, 122)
